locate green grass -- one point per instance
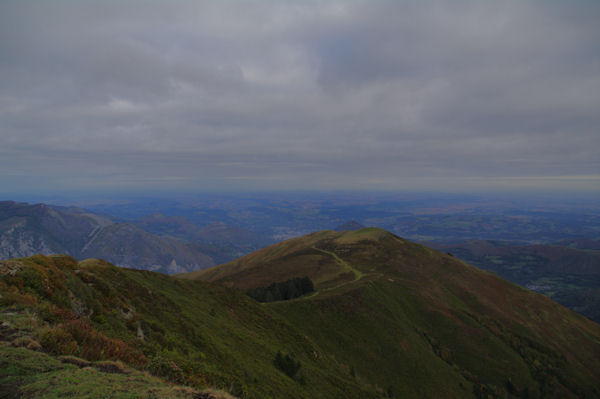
(391, 317)
(411, 314)
(29, 374)
(216, 336)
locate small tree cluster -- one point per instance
(282, 291)
(287, 364)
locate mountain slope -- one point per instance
(389, 318)
(218, 240)
(568, 273)
(421, 322)
(127, 245)
(26, 230)
(187, 332)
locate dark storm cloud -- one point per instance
(272, 94)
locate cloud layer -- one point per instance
(299, 94)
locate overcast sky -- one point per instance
(369, 95)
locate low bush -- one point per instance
(97, 346)
(289, 365)
(161, 366)
(26, 342)
(77, 361)
(108, 366)
(58, 341)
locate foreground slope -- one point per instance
(416, 322)
(186, 332)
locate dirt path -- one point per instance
(347, 267)
(357, 273)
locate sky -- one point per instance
(299, 95)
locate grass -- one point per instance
(413, 314)
(357, 273)
(213, 336)
(29, 374)
(391, 318)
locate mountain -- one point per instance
(388, 319)
(95, 317)
(183, 228)
(26, 230)
(349, 225)
(422, 322)
(127, 245)
(220, 241)
(582, 243)
(568, 272)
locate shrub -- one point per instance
(108, 366)
(390, 392)
(287, 364)
(96, 346)
(34, 346)
(213, 394)
(26, 342)
(165, 368)
(282, 291)
(57, 341)
(31, 280)
(485, 391)
(77, 361)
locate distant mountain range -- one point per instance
(218, 240)
(26, 230)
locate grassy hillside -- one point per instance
(186, 332)
(423, 323)
(389, 318)
(568, 273)
(32, 374)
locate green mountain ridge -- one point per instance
(443, 298)
(389, 318)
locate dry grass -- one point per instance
(79, 362)
(108, 366)
(27, 342)
(213, 394)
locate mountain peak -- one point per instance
(328, 257)
(349, 225)
(363, 234)
(372, 277)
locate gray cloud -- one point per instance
(299, 95)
